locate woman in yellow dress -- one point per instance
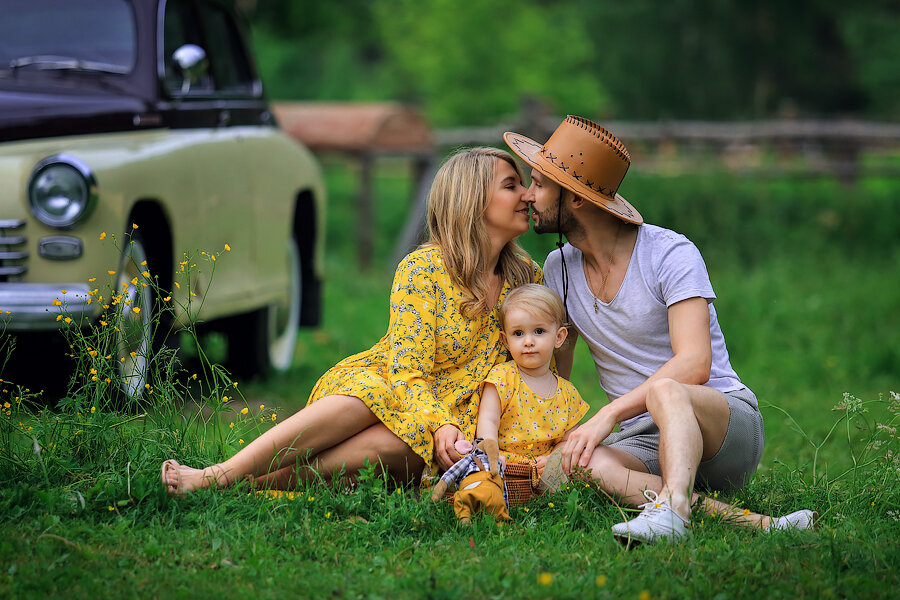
(403, 403)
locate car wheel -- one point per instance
(264, 340)
(134, 338)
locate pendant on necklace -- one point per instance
(595, 305)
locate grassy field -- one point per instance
(806, 276)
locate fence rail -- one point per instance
(857, 133)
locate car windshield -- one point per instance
(72, 35)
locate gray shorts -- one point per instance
(730, 469)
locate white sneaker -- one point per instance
(802, 519)
(656, 521)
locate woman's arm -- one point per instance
(690, 364)
(411, 349)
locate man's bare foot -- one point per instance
(181, 479)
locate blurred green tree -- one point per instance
(473, 62)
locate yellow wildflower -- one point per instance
(59, 317)
(227, 248)
(550, 504)
(135, 310)
(92, 280)
(644, 595)
(103, 235)
(57, 302)
(245, 410)
(240, 441)
(110, 508)
(111, 272)
(63, 291)
(600, 580)
(177, 285)
(93, 409)
(68, 319)
(167, 298)
(262, 407)
(545, 578)
(274, 416)
(134, 226)
(231, 425)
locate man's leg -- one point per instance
(692, 421)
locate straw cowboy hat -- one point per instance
(584, 158)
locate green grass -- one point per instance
(805, 273)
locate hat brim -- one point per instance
(530, 151)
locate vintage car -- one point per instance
(146, 119)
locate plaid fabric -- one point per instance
(466, 466)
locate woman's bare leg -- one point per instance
(376, 443)
(310, 431)
(623, 476)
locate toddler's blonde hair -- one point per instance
(536, 300)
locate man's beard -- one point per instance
(554, 220)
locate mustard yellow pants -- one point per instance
(487, 495)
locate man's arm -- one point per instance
(690, 364)
(565, 354)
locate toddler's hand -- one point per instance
(541, 462)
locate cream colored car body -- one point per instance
(214, 187)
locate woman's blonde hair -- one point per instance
(456, 204)
(537, 300)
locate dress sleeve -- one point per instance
(499, 376)
(577, 406)
(538, 273)
(412, 341)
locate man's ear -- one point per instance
(561, 334)
(570, 196)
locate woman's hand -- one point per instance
(444, 438)
(583, 440)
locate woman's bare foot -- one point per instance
(181, 479)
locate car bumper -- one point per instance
(32, 306)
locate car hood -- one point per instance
(30, 114)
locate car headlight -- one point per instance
(62, 191)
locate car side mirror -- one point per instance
(191, 61)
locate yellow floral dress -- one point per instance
(530, 425)
(428, 369)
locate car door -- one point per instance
(203, 110)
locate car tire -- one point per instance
(134, 338)
(263, 341)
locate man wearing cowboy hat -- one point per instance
(641, 298)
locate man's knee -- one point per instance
(667, 394)
(605, 464)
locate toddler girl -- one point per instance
(524, 405)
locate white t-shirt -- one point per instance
(629, 336)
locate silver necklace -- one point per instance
(605, 278)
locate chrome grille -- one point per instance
(12, 256)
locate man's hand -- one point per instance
(445, 455)
(583, 440)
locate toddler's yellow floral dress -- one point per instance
(428, 368)
(530, 425)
